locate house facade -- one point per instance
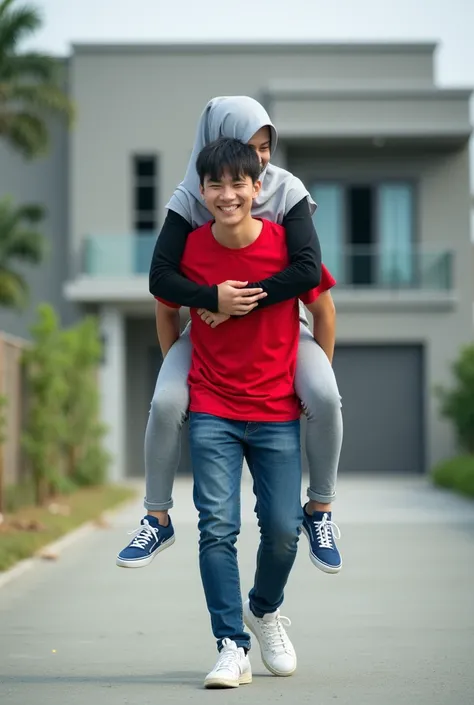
(384, 152)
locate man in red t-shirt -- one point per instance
(242, 404)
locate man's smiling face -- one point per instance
(229, 199)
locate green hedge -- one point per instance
(456, 474)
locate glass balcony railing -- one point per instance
(415, 268)
(118, 255)
(394, 269)
(357, 267)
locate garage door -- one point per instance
(382, 401)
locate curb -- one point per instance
(60, 544)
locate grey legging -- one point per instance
(315, 385)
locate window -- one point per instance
(145, 204)
(395, 224)
(366, 232)
(329, 223)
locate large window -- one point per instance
(366, 232)
(395, 226)
(144, 209)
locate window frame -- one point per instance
(137, 216)
(374, 183)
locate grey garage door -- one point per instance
(382, 402)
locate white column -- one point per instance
(112, 388)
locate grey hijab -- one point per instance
(239, 117)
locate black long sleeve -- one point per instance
(166, 280)
(302, 274)
(304, 250)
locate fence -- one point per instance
(12, 387)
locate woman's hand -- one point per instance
(212, 319)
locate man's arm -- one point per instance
(324, 323)
(167, 326)
(167, 282)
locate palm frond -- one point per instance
(39, 96)
(8, 217)
(26, 246)
(12, 215)
(16, 24)
(32, 212)
(4, 5)
(31, 85)
(25, 132)
(13, 289)
(18, 241)
(36, 66)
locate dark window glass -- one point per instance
(145, 225)
(145, 166)
(145, 198)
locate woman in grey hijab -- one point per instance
(239, 117)
(283, 199)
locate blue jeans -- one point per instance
(272, 450)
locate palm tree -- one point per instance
(20, 242)
(30, 83)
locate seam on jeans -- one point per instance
(248, 432)
(239, 588)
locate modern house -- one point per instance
(383, 150)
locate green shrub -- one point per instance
(47, 389)
(456, 474)
(86, 459)
(91, 468)
(457, 404)
(64, 435)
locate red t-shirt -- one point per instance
(244, 369)
(326, 283)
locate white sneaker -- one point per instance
(232, 668)
(278, 653)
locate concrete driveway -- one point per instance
(396, 626)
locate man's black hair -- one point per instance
(228, 155)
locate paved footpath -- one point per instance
(395, 627)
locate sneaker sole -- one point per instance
(264, 661)
(330, 569)
(143, 562)
(215, 683)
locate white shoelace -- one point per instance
(144, 534)
(275, 634)
(228, 656)
(324, 532)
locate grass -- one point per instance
(19, 495)
(30, 528)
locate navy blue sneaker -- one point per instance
(150, 539)
(320, 532)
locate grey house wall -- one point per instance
(42, 181)
(149, 99)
